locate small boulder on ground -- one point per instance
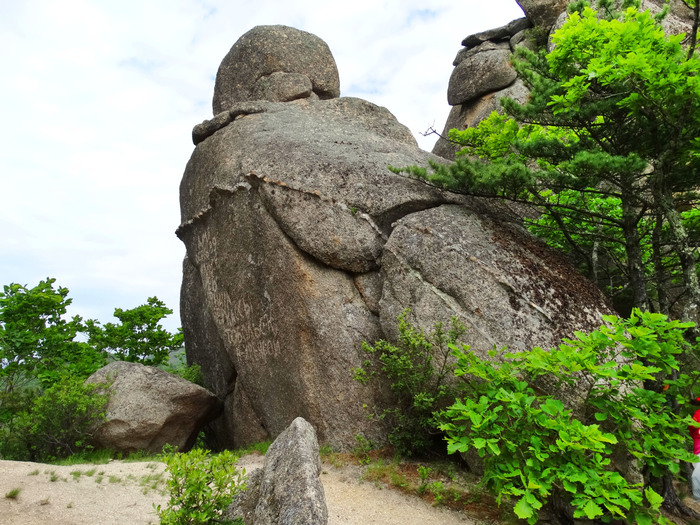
(288, 489)
(149, 408)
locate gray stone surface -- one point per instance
(470, 114)
(679, 20)
(248, 70)
(207, 128)
(508, 287)
(467, 52)
(149, 407)
(480, 74)
(288, 489)
(283, 87)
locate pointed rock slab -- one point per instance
(342, 238)
(149, 408)
(508, 287)
(288, 489)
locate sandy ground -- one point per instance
(120, 493)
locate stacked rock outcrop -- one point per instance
(301, 244)
(484, 74)
(287, 490)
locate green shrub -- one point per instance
(420, 372)
(201, 486)
(192, 373)
(15, 424)
(535, 450)
(62, 420)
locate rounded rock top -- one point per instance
(276, 63)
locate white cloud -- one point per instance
(98, 100)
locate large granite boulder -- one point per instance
(507, 287)
(149, 408)
(288, 489)
(301, 244)
(284, 215)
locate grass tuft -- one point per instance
(13, 494)
(255, 448)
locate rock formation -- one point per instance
(288, 489)
(484, 74)
(149, 408)
(301, 244)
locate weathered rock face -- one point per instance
(481, 73)
(472, 112)
(302, 244)
(507, 287)
(288, 489)
(285, 215)
(544, 13)
(149, 408)
(276, 63)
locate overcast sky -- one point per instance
(98, 100)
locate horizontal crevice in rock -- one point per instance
(215, 192)
(207, 128)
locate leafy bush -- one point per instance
(193, 373)
(40, 353)
(420, 371)
(52, 425)
(201, 486)
(177, 364)
(535, 450)
(36, 341)
(15, 423)
(63, 419)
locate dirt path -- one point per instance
(121, 493)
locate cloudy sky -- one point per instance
(98, 100)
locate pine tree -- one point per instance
(608, 148)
